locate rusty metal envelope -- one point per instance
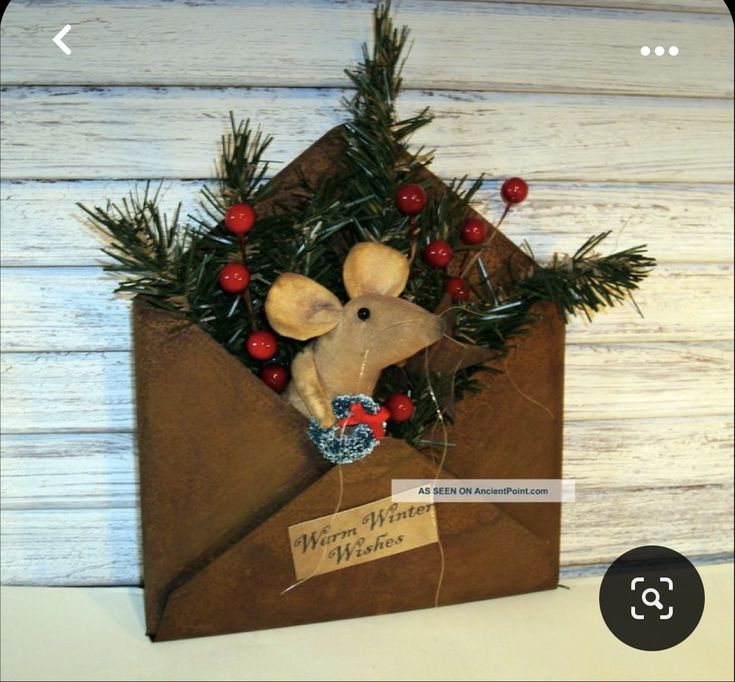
(226, 468)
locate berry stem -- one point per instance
(246, 294)
(414, 240)
(486, 243)
(502, 217)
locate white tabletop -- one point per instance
(97, 633)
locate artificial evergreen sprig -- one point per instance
(582, 283)
(493, 326)
(378, 158)
(241, 169)
(159, 256)
(587, 281)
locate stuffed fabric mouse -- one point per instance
(353, 342)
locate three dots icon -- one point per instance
(659, 50)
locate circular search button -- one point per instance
(651, 598)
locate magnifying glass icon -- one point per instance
(656, 601)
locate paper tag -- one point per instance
(356, 536)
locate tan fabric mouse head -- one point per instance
(356, 341)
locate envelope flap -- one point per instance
(513, 427)
(486, 554)
(218, 450)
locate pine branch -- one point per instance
(493, 326)
(582, 283)
(241, 169)
(587, 281)
(378, 159)
(159, 255)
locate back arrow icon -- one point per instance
(58, 39)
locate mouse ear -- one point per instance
(372, 268)
(299, 308)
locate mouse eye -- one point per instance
(363, 313)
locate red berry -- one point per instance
(240, 218)
(234, 278)
(400, 407)
(275, 376)
(261, 345)
(473, 231)
(458, 289)
(514, 190)
(410, 199)
(438, 254)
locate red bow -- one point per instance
(376, 422)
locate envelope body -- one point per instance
(226, 469)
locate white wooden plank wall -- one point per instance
(555, 91)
